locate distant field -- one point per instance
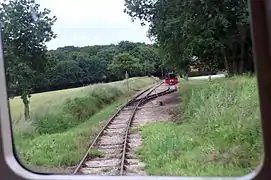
(44, 99)
(217, 132)
(47, 100)
(63, 121)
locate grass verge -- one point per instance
(50, 100)
(58, 132)
(219, 133)
(62, 149)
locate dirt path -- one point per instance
(159, 109)
(115, 144)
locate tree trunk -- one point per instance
(234, 58)
(242, 60)
(26, 111)
(230, 66)
(226, 64)
(243, 34)
(235, 66)
(26, 107)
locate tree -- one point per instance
(125, 46)
(124, 62)
(148, 58)
(66, 72)
(72, 67)
(24, 45)
(105, 57)
(215, 32)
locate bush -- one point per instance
(61, 149)
(200, 73)
(52, 122)
(77, 110)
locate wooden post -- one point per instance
(127, 81)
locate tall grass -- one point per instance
(61, 149)
(75, 111)
(218, 133)
(52, 99)
(60, 128)
(58, 111)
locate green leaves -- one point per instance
(124, 62)
(24, 44)
(24, 39)
(213, 31)
(76, 66)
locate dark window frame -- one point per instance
(260, 11)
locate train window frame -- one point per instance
(260, 10)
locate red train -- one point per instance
(171, 80)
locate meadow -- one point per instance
(216, 131)
(63, 122)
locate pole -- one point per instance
(127, 82)
(1, 38)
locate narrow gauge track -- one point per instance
(113, 142)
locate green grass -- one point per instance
(58, 111)
(64, 122)
(93, 153)
(218, 133)
(49, 100)
(62, 149)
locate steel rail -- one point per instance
(106, 125)
(128, 127)
(139, 99)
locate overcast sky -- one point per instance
(92, 22)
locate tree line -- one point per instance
(30, 67)
(72, 67)
(78, 66)
(214, 36)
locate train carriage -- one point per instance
(171, 80)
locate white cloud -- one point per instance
(89, 22)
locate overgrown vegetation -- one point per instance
(77, 66)
(214, 35)
(32, 68)
(24, 46)
(57, 133)
(210, 35)
(218, 133)
(61, 149)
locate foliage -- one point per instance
(149, 59)
(24, 45)
(76, 111)
(47, 106)
(124, 62)
(31, 68)
(217, 33)
(62, 128)
(78, 66)
(218, 132)
(61, 149)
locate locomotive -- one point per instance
(171, 80)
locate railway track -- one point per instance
(110, 153)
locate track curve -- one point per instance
(108, 153)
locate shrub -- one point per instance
(78, 109)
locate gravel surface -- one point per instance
(110, 144)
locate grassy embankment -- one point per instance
(63, 122)
(218, 133)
